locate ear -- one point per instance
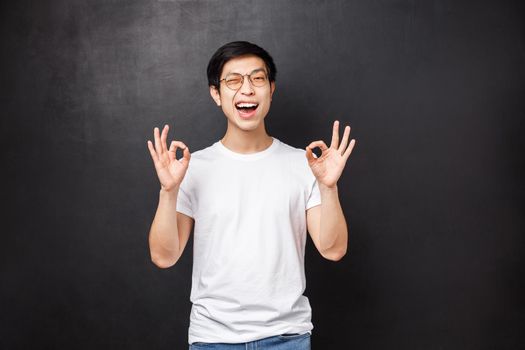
(215, 94)
(272, 89)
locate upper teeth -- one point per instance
(246, 105)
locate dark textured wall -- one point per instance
(433, 192)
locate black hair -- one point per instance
(233, 50)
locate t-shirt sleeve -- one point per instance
(184, 201)
(315, 196)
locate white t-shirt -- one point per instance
(249, 239)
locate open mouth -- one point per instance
(246, 109)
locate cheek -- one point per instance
(227, 100)
(268, 100)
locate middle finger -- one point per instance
(163, 138)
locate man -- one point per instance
(252, 199)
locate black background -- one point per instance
(433, 192)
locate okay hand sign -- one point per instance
(169, 170)
(328, 167)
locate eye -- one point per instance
(233, 80)
(259, 77)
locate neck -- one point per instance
(246, 141)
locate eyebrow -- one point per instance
(253, 71)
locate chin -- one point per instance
(248, 126)
(237, 119)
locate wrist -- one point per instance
(169, 192)
(324, 188)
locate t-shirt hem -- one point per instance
(185, 212)
(195, 339)
(315, 204)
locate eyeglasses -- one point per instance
(234, 81)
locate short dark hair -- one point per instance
(233, 50)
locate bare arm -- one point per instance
(169, 230)
(327, 225)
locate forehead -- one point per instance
(243, 65)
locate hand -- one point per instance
(328, 167)
(169, 170)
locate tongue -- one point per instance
(246, 112)
(246, 109)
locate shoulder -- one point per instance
(291, 151)
(200, 162)
(199, 167)
(203, 156)
(296, 160)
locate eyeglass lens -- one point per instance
(235, 80)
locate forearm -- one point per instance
(333, 230)
(164, 236)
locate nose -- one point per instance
(246, 87)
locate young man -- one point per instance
(252, 198)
